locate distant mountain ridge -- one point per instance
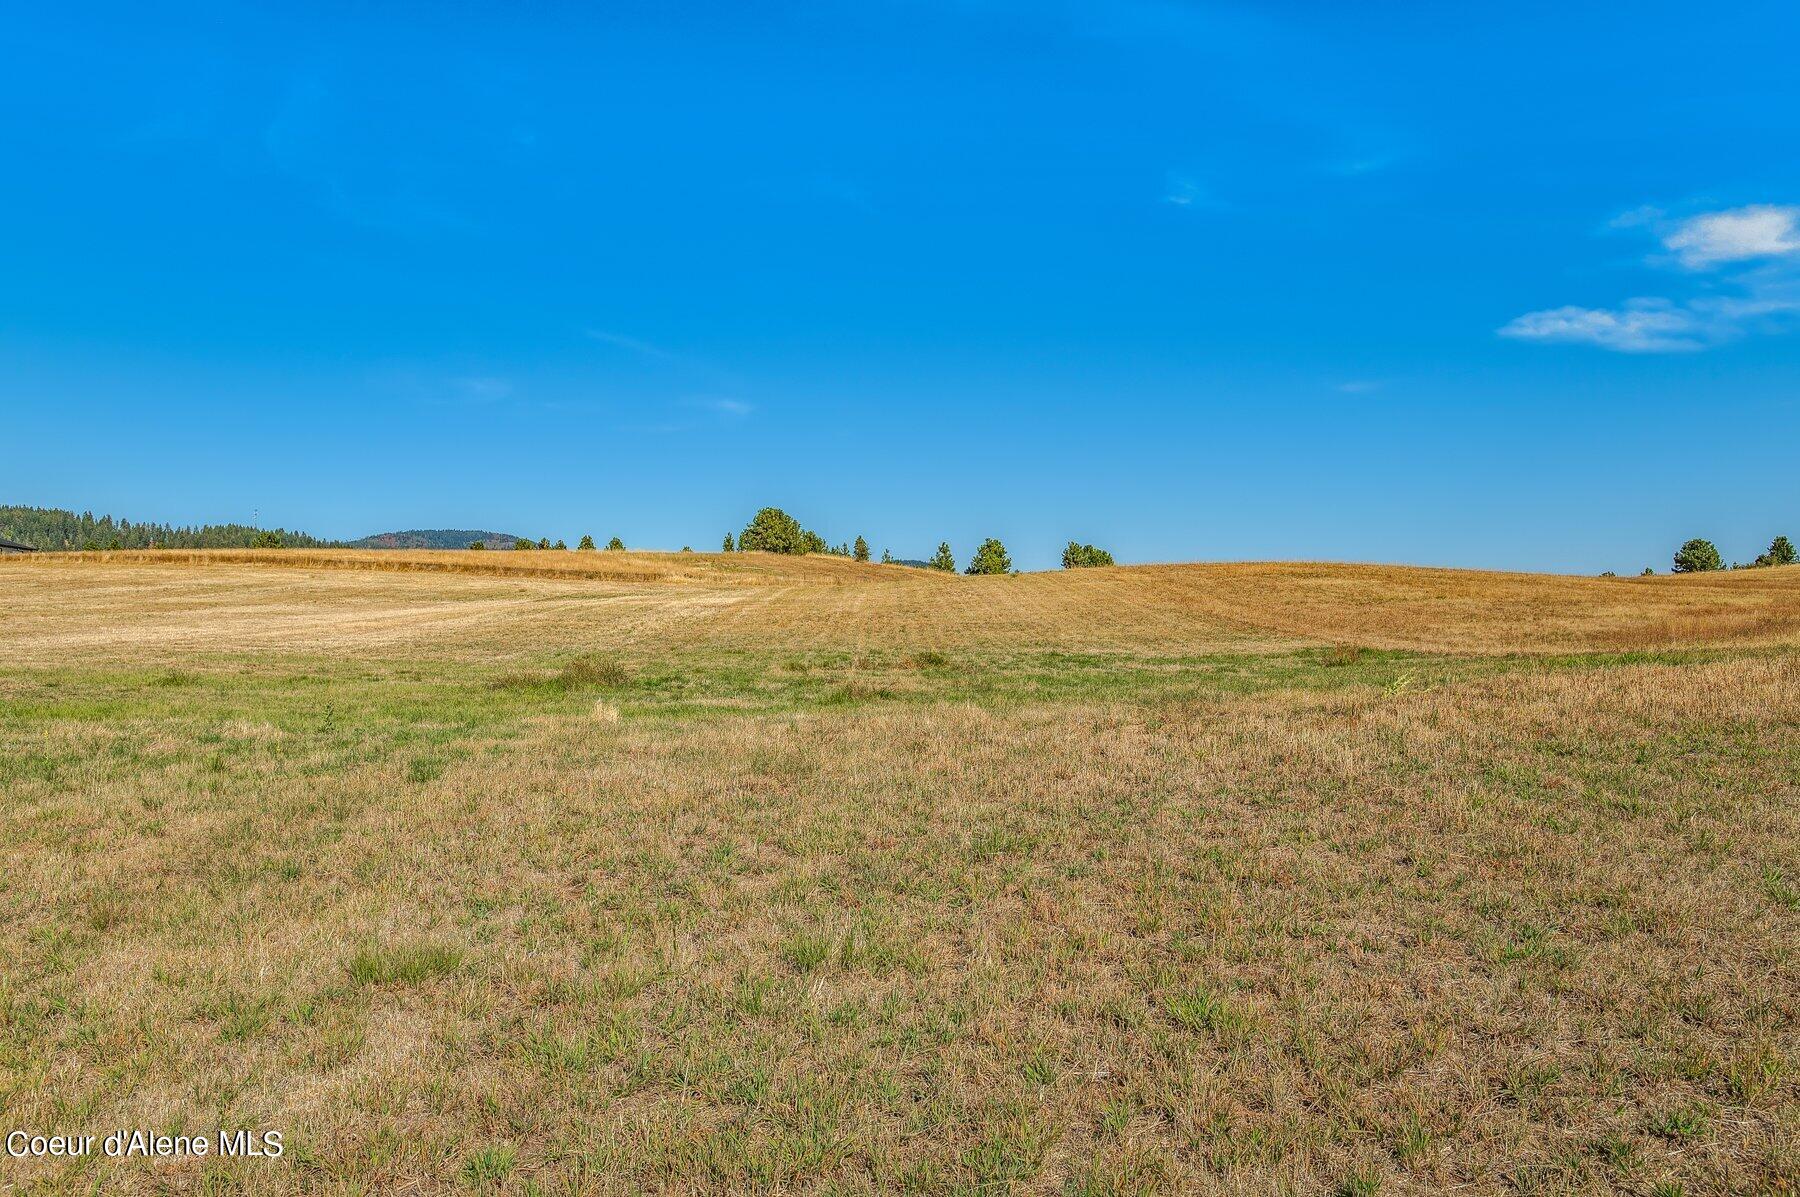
(435, 538)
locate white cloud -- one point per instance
(1763, 297)
(1736, 235)
(1660, 325)
(1641, 326)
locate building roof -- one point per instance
(13, 546)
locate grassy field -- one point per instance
(610, 873)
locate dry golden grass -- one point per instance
(505, 603)
(810, 885)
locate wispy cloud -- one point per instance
(1762, 296)
(735, 408)
(1185, 192)
(718, 411)
(485, 388)
(1640, 326)
(621, 341)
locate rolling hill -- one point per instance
(435, 538)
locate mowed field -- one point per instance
(614, 873)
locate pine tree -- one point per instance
(990, 558)
(1781, 552)
(942, 558)
(774, 531)
(615, 545)
(887, 558)
(1698, 556)
(586, 545)
(860, 550)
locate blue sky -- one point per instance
(1511, 285)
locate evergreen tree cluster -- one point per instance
(1781, 552)
(1700, 556)
(1084, 556)
(53, 529)
(773, 530)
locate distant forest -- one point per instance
(51, 528)
(436, 538)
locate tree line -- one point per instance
(1699, 556)
(773, 530)
(54, 529)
